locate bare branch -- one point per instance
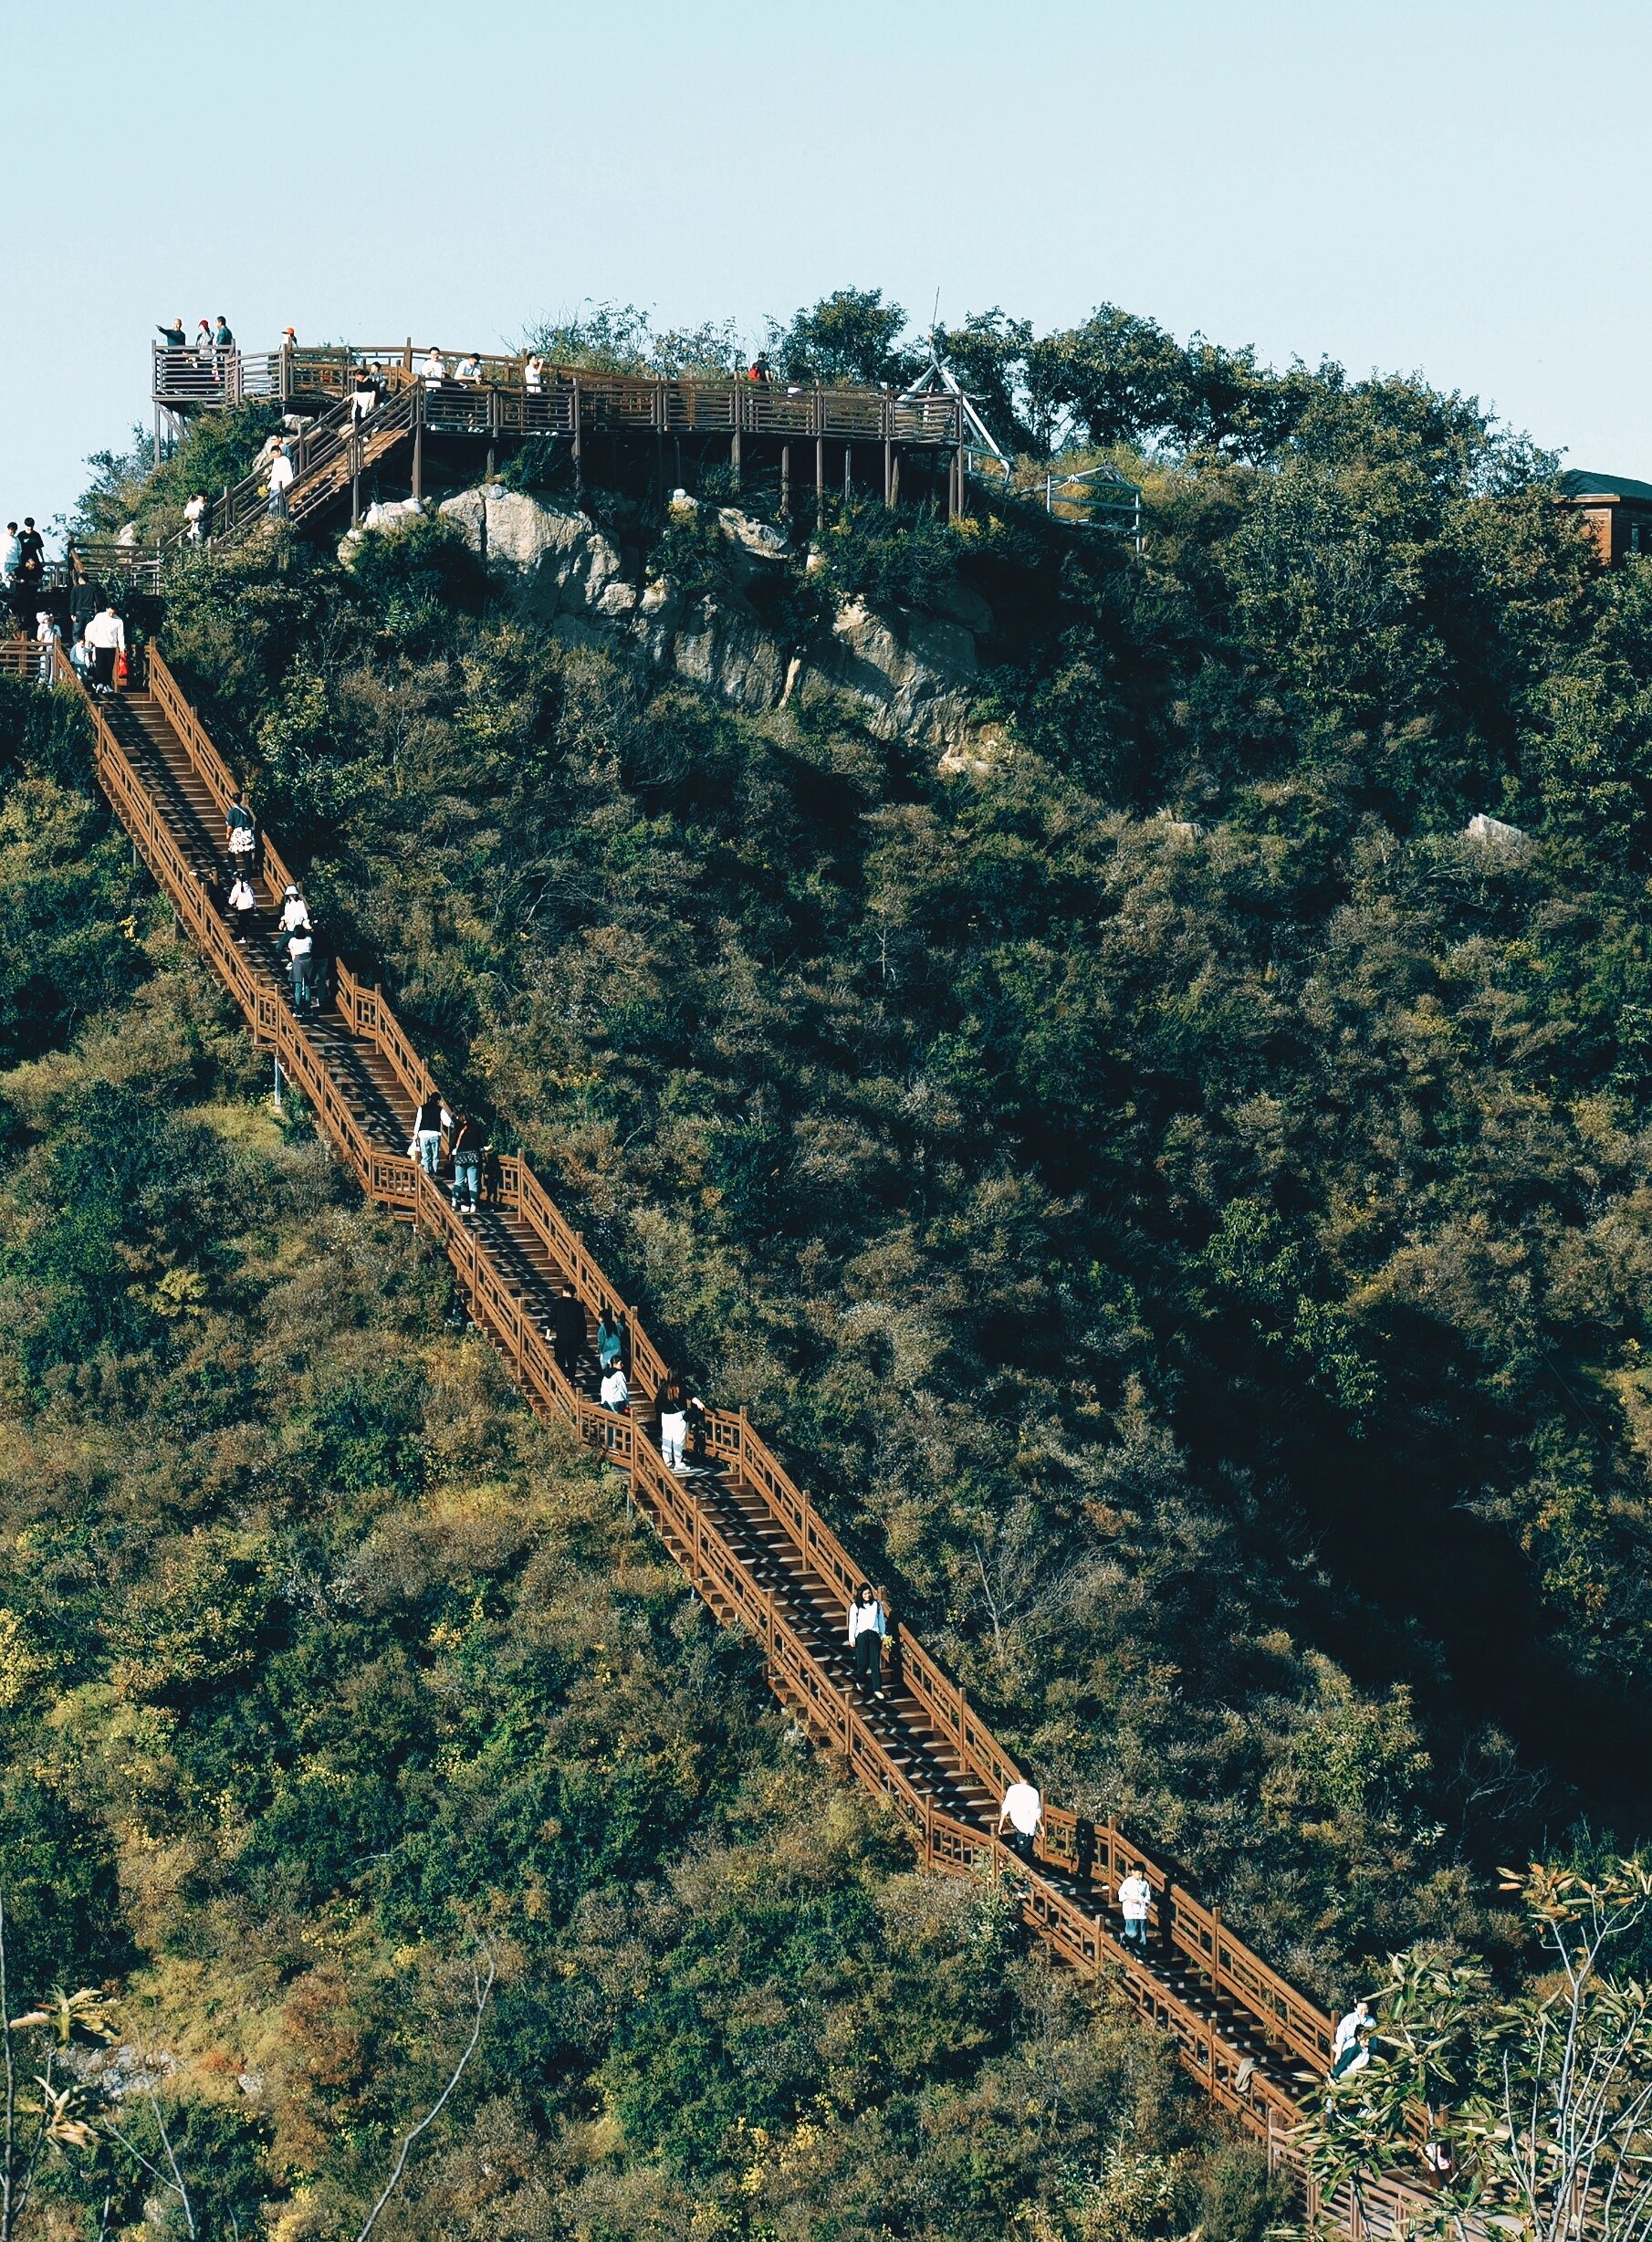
(480, 1989)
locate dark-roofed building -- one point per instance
(1616, 509)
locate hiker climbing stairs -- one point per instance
(751, 1542)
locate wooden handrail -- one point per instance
(1088, 1860)
(661, 401)
(1099, 1855)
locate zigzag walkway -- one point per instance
(750, 1541)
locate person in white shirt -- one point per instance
(614, 1392)
(11, 552)
(363, 394)
(469, 368)
(533, 376)
(1351, 2050)
(429, 1122)
(106, 635)
(295, 911)
(1023, 1812)
(280, 481)
(435, 368)
(867, 1628)
(243, 907)
(194, 517)
(46, 635)
(1135, 1904)
(300, 949)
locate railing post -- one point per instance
(579, 448)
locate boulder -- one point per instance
(1492, 833)
(909, 676)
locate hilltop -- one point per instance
(1181, 1198)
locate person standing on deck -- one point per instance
(465, 1145)
(1135, 1904)
(11, 552)
(429, 1121)
(533, 375)
(672, 1413)
(174, 336)
(363, 394)
(1023, 1810)
(867, 1628)
(203, 342)
(221, 337)
(106, 635)
(567, 1331)
(435, 371)
(280, 481)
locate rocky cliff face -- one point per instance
(909, 675)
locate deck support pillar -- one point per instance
(786, 481)
(895, 477)
(848, 472)
(820, 481)
(734, 458)
(578, 457)
(418, 467)
(888, 472)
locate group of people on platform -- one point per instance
(22, 571)
(211, 338)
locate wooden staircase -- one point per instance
(753, 1544)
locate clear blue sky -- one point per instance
(1457, 186)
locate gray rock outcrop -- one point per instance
(906, 675)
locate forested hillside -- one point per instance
(1179, 1201)
(328, 1677)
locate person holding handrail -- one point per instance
(1135, 1904)
(363, 395)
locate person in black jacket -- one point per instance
(567, 1332)
(464, 1143)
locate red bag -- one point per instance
(121, 672)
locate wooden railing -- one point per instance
(500, 401)
(1088, 1859)
(1096, 1856)
(20, 658)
